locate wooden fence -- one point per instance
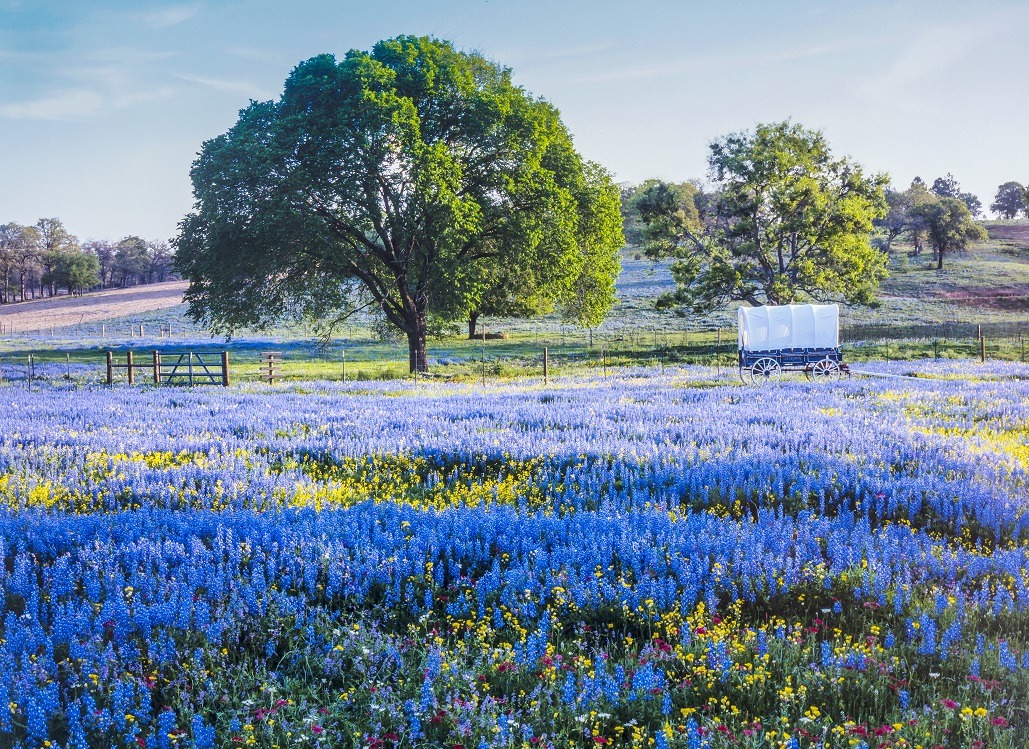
(175, 367)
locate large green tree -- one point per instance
(785, 221)
(949, 226)
(408, 178)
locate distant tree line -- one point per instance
(44, 260)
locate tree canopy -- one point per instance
(785, 221)
(1010, 200)
(412, 178)
(949, 225)
(948, 187)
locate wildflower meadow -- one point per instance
(647, 560)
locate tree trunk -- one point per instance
(473, 318)
(417, 350)
(939, 259)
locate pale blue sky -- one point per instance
(103, 105)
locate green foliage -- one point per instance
(949, 226)
(414, 178)
(787, 221)
(948, 187)
(1010, 200)
(73, 270)
(899, 220)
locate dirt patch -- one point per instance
(1013, 298)
(60, 312)
(1012, 233)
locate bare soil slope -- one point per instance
(59, 312)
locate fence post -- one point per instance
(982, 349)
(1022, 356)
(344, 365)
(936, 353)
(483, 355)
(128, 361)
(110, 368)
(67, 371)
(191, 369)
(603, 356)
(157, 367)
(546, 366)
(225, 368)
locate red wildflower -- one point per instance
(950, 704)
(999, 721)
(884, 729)
(599, 740)
(317, 728)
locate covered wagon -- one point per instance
(800, 337)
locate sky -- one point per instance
(105, 104)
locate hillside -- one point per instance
(97, 306)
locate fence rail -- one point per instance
(175, 367)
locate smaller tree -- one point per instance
(1010, 200)
(104, 252)
(161, 261)
(131, 261)
(73, 270)
(787, 221)
(897, 220)
(948, 187)
(949, 226)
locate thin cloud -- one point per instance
(71, 104)
(733, 61)
(170, 16)
(243, 88)
(934, 49)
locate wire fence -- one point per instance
(566, 349)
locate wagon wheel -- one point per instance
(762, 371)
(824, 370)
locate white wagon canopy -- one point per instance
(800, 337)
(789, 326)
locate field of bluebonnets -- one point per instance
(648, 560)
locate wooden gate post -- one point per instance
(982, 349)
(110, 368)
(225, 368)
(157, 367)
(546, 366)
(128, 361)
